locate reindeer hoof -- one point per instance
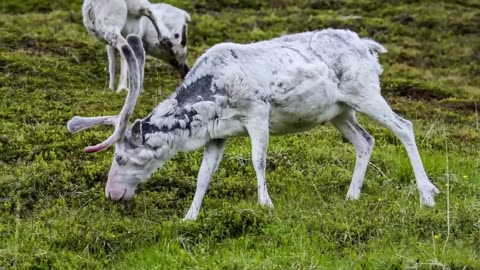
(353, 194)
(189, 217)
(266, 202)
(427, 195)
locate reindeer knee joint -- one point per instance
(112, 39)
(405, 122)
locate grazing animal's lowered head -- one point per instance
(284, 85)
(173, 46)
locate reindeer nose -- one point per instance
(116, 196)
(166, 43)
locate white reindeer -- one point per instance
(105, 20)
(285, 85)
(173, 46)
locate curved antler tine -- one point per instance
(121, 120)
(79, 123)
(103, 145)
(134, 80)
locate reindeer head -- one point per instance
(133, 161)
(176, 46)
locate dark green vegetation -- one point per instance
(53, 214)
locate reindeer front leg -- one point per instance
(212, 155)
(259, 133)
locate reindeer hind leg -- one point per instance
(377, 108)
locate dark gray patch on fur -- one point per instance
(234, 54)
(91, 15)
(136, 45)
(365, 134)
(127, 140)
(186, 113)
(219, 91)
(187, 94)
(184, 35)
(338, 71)
(148, 128)
(119, 159)
(183, 114)
(127, 52)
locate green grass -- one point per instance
(53, 214)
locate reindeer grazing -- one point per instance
(284, 85)
(172, 49)
(105, 20)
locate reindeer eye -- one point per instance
(119, 160)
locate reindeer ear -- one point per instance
(136, 132)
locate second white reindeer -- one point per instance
(172, 48)
(285, 85)
(105, 20)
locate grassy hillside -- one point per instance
(53, 214)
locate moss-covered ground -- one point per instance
(53, 214)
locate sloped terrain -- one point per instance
(53, 214)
